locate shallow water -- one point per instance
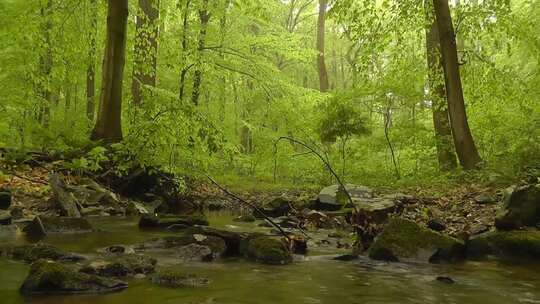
(314, 279)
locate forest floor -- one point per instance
(464, 210)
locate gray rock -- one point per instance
(121, 266)
(484, 198)
(216, 244)
(63, 199)
(521, 208)
(195, 252)
(48, 277)
(5, 217)
(277, 207)
(331, 199)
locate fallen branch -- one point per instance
(251, 206)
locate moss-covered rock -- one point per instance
(233, 240)
(148, 221)
(268, 250)
(42, 225)
(521, 208)
(47, 277)
(32, 253)
(121, 266)
(246, 218)
(277, 207)
(403, 240)
(506, 244)
(177, 279)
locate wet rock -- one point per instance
(117, 249)
(17, 212)
(377, 208)
(485, 198)
(5, 198)
(404, 240)
(332, 198)
(247, 218)
(446, 280)
(48, 277)
(92, 211)
(177, 279)
(436, 225)
(5, 217)
(268, 250)
(288, 222)
(521, 208)
(136, 208)
(479, 229)
(233, 240)
(506, 244)
(121, 266)
(32, 253)
(277, 207)
(216, 244)
(346, 257)
(148, 221)
(89, 193)
(196, 252)
(64, 200)
(41, 226)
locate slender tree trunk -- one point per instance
(109, 125)
(321, 66)
(185, 68)
(463, 140)
(145, 49)
(441, 121)
(91, 68)
(204, 17)
(45, 66)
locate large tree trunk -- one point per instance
(321, 66)
(109, 125)
(145, 49)
(91, 68)
(441, 121)
(463, 140)
(204, 17)
(45, 66)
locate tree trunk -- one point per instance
(441, 121)
(204, 17)
(45, 66)
(185, 68)
(145, 49)
(463, 140)
(108, 125)
(321, 66)
(91, 68)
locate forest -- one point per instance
(278, 151)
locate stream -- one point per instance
(313, 279)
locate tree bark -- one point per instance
(45, 66)
(321, 66)
(441, 121)
(185, 68)
(91, 68)
(109, 125)
(463, 140)
(204, 17)
(145, 49)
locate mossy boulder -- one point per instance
(175, 279)
(121, 266)
(521, 208)
(42, 225)
(268, 250)
(505, 244)
(404, 240)
(148, 221)
(48, 277)
(233, 240)
(32, 253)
